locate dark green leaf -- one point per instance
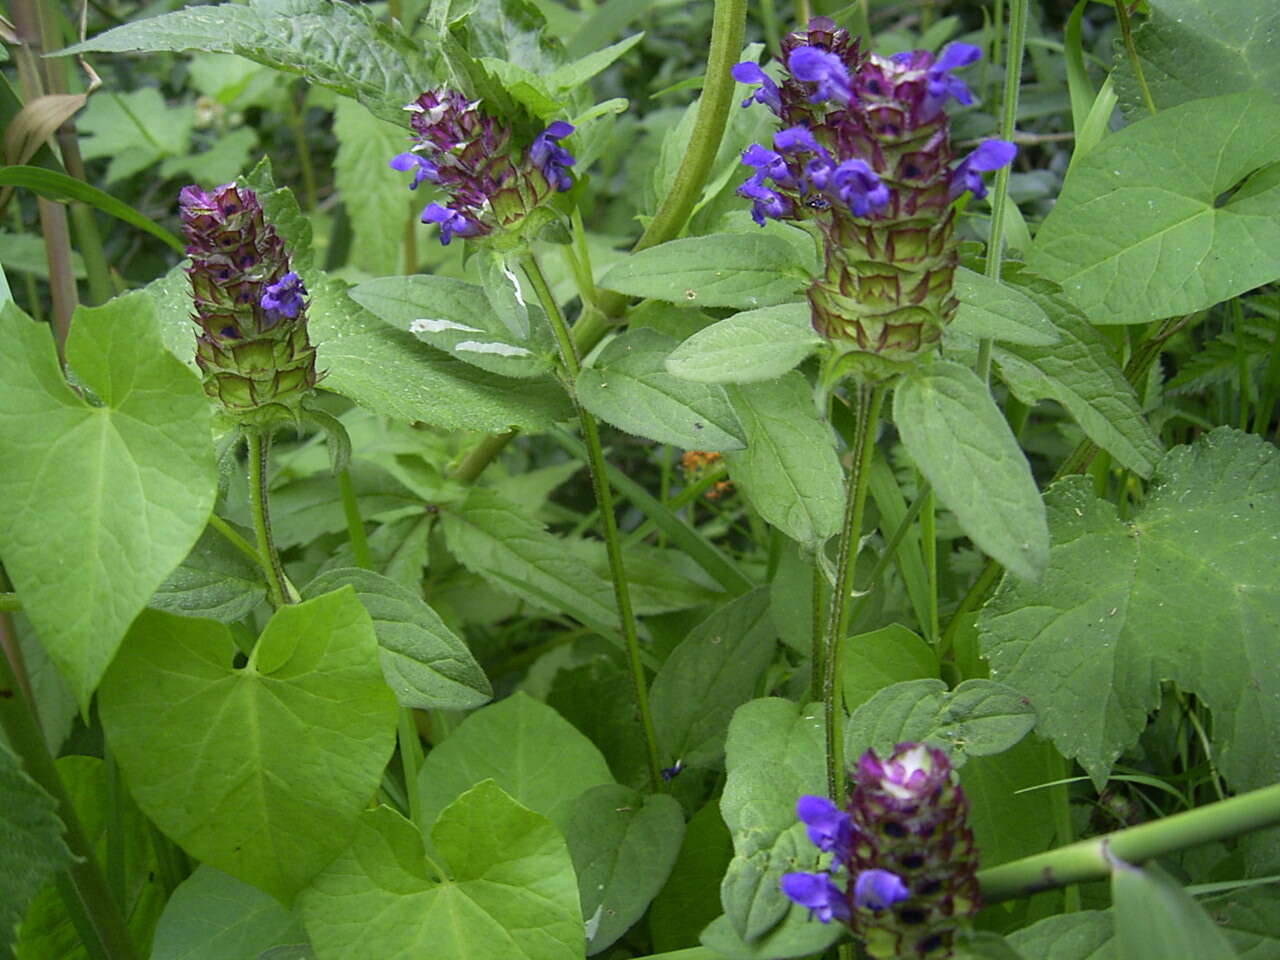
(1155, 917)
(215, 581)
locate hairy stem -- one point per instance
(259, 452)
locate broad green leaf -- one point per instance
(1142, 231)
(25, 253)
(526, 748)
(491, 537)
(376, 198)
(32, 850)
(501, 287)
(135, 129)
(1127, 604)
(708, 676)
(984, 945)
(509, 892)
(660, 580)
(213, 916)
(773, 755)
(1083, 935)
(1007, 824)
(962, 443)
(747, 347)
(1201, 48)
(978, 718)
(797, 936)
(454, 316)
(260, 771)
(789, 470)
(628, 386)
(989, 308)
(691, 897)
(393, 373)
(722, 270)
(599, 698)
(623, 845)
(869, 662)
(425, 664)
(216, 581)
(1080, 373)
(225, 160)
(344, 47)
(1155, 917)
(133, 473)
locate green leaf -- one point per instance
(870, 662)
(660, 580)
(691, 898)
(343, 47)
(962, 443)
(526, 748)
(1080, 373)
(623, 845)
(747, 347)
(789, 470)
(773, 755)
(32, 850)
(1141, 232)
(376, 198)
(311, 506)
(393, 373)
(425, 664)
(224, 160)
(722, 270)
(1155, 917)
(1114, 614)
(213, 916)
(1083, 935)
(708, 676)
(628, 386)
(989, 308)
(509, 892)
(1008, 825)
(572, 75)
(134, 476)
(797, 936)
(216, 581)
(135, 129)
(1201, 48)
(260, 771)
(978, 718)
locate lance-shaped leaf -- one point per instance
(747, 347)
(989, 308)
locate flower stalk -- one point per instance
(259, 449)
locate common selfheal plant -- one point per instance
(495, 186)
(864, 159)
(903, 851)
(252, 348)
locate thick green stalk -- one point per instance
(1091, 859)
(870, 397)
(604, 500)
(259, 452)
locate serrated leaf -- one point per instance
(1141, 230)
(1113, 615)
(134, 474)
(573, 75)
(214, 916)
(978, 718)
(623, 845)
(216, 581)
(135, 129)
(989, 308)
(628, 386)
(260, 771)
(510, 889)
(376, 197)
(747, 347)
(720, 270)
(425, 664)
(789, 470)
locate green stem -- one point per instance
(297, 121)
(83, 885)
(237, 541)
(411, 763)
(816, 674)
(929, 547)
(713, 475)
(1090, 860)
(355, 525)
(604, 500)
(259, 452)
(769, 18)
(9, 603)
(870, 397)
(1126, 31)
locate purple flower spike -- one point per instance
(768, 94)
(989, 155)
(452, 223)
(824, 69)
(816, 891)
(284, 297)
(550, 157)
(879, 889)
(830, 828)
(425, 169)
(857, 186)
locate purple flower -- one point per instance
(767, 163)
(284, 297)
(879, 889)
(826, 70)
(768, 94)
(989, 155)
(830, 828)
(941, 84)
(551, 158)
(765, 202)
(858, 188)
(452, 223)
(816, 891)
(797, 138)
(426, 170)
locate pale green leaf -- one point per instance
(869, 662)
(1155, 917)
(213, 916)
(376, 198)
(135, 129)
(747, 347)
(989, 308)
